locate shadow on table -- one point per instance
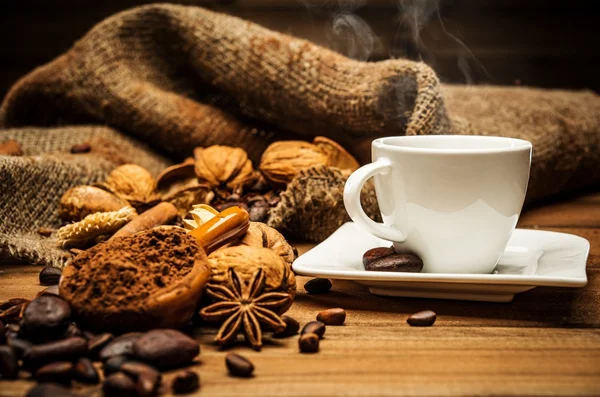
(540, 307)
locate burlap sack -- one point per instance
(176, 77)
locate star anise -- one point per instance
(246, 307)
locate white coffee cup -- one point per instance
(452, 200)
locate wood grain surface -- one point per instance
(545, 343)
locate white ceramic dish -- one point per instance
(532, 258)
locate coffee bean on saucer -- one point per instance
(122, 345)
(238, 365)
(119, 385)
(166, 348)
(335, 316)
(50, 275)
(97, 342)
(85, 372)
(68, 349)
(291, 328)
(49, 390)
(375, 254)
(314, 327)
(45, 318)
(9, 364)
(57, 372)
(317, 286)
(114, 364)
(308, 343)
(396, 263)
(425, 318)
(185, 382)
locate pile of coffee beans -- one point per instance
(39, 337)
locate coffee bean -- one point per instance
(397, 263)
(52, 291)
(98, 342)
(73, 330)
(9, 364)
(19, 346)
(185, 382)
(57, 372)
(147, 378)
(50, 275)
(238, 365)
(81, 148)
(88, 335)
(68, 349)
(317, 286)
(123, 345)
(291, 328)
(309, 343)
(335, 316)
(147, 386)
(314, 327)
(259, 211)
(137, 368)
(119, 385)
(49, 390)
(14, 313)
(45, 318)
(114, 364)
(260, 186)
(12, 302)
(85, 372)
(166, 348)
(375, 254)
(425, 318)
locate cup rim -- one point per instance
(516, 144)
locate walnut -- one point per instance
(263, 236)
(337, 156)
(224, 166)
(283, 160)
(245, 260)
(81, 201)
(132, 183)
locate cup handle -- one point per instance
(352, 203)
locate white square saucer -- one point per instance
(532, 258)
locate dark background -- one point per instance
(528, 42)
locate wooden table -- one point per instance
(546, 342)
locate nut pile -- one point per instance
(130, 199)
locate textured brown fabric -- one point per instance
(162, 79)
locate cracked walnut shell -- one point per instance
(224, 166)
(245, 260)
